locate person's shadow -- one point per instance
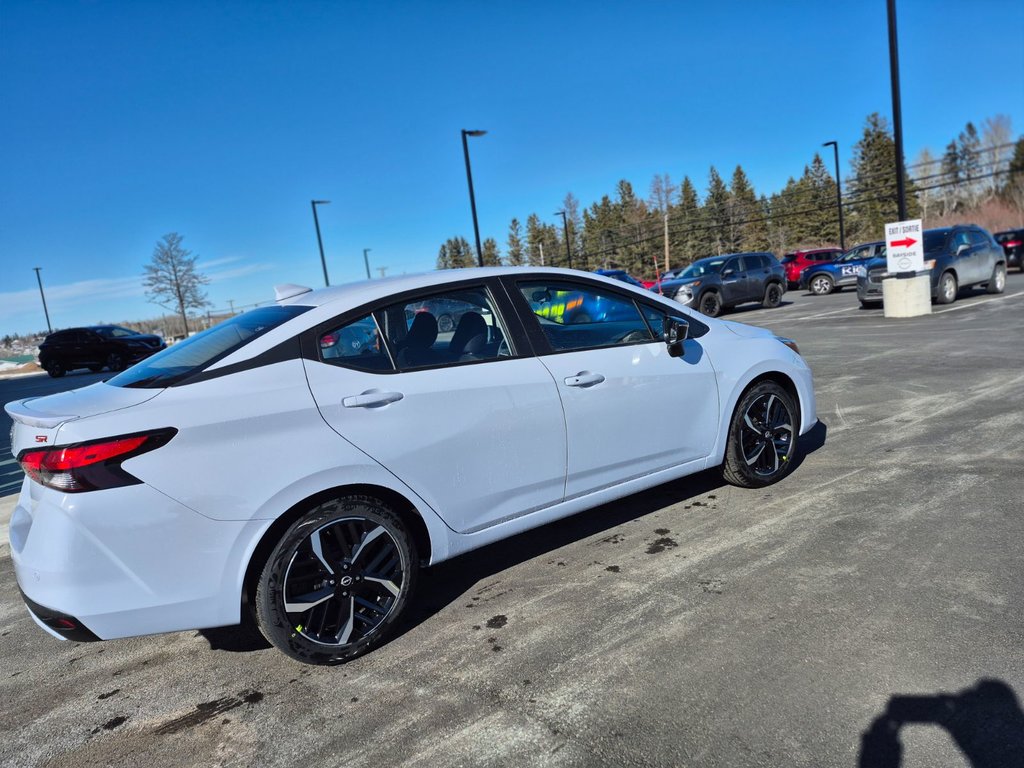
(985, 721)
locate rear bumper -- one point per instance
(126, 561)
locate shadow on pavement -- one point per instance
(445, 583)
(985, 721)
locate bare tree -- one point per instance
(928, 169)
(996, 148)
(171, 279)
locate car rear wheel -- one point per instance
(55, 368)
(115, 361)
(822, 285)
(997, 283)
(710, 304)
(763, 435)
(337, 582)
(772, 296)
(947, 289)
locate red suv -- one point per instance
(796, 262)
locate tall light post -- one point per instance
(897, 111)
(565, 229)
(319, 240)
(472, 198)
(839, 194)
(366, 261)
(42, 295)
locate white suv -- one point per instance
(307, 458)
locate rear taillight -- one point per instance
(1012, 243)
(90, 466)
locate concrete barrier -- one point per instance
(907, 297)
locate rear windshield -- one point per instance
(196, 352)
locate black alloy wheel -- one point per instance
(762, 437)
(337, 582)
(115, 361)
(772, 296)
(55, 368)
(710, 304)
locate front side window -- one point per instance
(577, 316)
(113, 332)
(449, 328)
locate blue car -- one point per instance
(823, 279)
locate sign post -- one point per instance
(906, 288)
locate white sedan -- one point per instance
(307, 458)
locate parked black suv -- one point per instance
(1012, 241)
(720, 282)
(95, 347)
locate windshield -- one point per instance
(113, 332)
(935, 240)
(788, 258)
(196, 352)
(705, 267)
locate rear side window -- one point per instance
(195, 353)
(356, 345)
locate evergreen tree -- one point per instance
(515, 245)
(536, 251)
(1013, 189)
(600, 225)
(873, 184)
(571, 206)
(491, 257)
(824, 221)
(747, 230)
(444, 258)
(456, 253)
(688, 237)
(950, 179)
(716, 213)
(968, 148)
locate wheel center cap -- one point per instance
(346, 581)
(767, 435)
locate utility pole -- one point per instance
(541, 253)
(897, 112)
(565, 229)
(319, 240)
(232, 303)
(383, 271)
(666, 242)
(839, 194)
(42, 295)
(366, 261)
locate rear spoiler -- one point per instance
(24, 415)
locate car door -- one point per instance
(983, 256)
(734, 282)
(467, 417)
(961, 251)
(617, 382)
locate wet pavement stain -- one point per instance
(613, 568)
(615, 538)
(662, 531)
(111, 724)
(660, 545)
(208, 710)
(711, 586)
(103, 696)
(497, 622)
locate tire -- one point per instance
(355, 536)
(772, 296)
(764, 408)
(710, 304)
(947, 289)
(55, 368)
(870, 304)
(115, 361)
(997, 283)
(821, 285)
(445, 323)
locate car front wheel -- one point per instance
(772, 296)
(115, 361)
(710, 304)
(762, 441)
(821, 285)
(55, 368)
(947, 288)
(337, 582)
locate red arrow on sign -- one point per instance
(904, 243)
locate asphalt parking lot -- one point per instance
(872, 599)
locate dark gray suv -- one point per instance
(719, 282)
(958, 257)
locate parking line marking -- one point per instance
(824, 314)
(978, 303)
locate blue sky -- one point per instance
(121, 122)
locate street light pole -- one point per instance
(472, 198)
(319, 240)
(366, 261)
(42, 295)
(839, 194)
(897, 112)
(565, 228)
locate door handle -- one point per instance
(372, 399)
(584, 379)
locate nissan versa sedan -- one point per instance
(305, 460)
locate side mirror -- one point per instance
(962, 248)
(674, 331)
